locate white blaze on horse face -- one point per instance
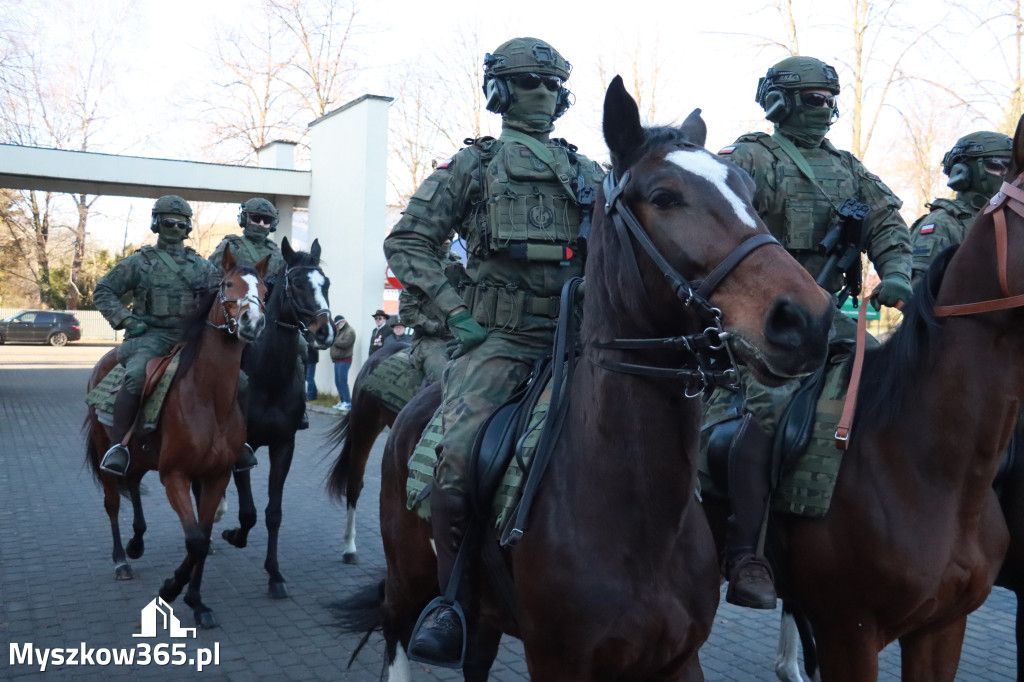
(703, 163)
(316, 278)
(252, 296)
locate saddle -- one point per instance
(395, 381)
(159, 375)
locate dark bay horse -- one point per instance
(915, 535)
(616, 577)
(276, 400)
(356, 432)
(200, 432)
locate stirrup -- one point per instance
(304, 422)
(246, 459)
(749, 583)
(428, 612)
(116, 460)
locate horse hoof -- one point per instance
(278, 590)
(124, 572)
(232, 537)
(205, 620)
(350, 558)
(135, 548)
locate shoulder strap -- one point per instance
(793, 152)
(541, 152)
(174, 267)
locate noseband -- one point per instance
(231, 323)
(299, 309)
(712, 362)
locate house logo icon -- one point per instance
(158, 615)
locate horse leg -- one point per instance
(136, 546)
(787, 656)
(481, 650)
(1020, 637)
(112, 505)
(197, 544)
(280, 464)
(210, 494)
(933, 655)
(360, 442)
(846, 654)
(239, 537)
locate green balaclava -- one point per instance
(531, 111)
(779, 93)
(172, 238)
(966, 162)
(252, 231)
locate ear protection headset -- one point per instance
(499, 97)
(154, 224)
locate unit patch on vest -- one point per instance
(928, 229)
(541, 216)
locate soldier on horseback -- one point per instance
(519, 202)
(975, 167)
(825, 208)
(163, 281)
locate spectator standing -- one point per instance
(380, 332)
(341, 355)
(312, 357)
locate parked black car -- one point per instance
(40, 326)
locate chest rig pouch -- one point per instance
(166, 286)
(531, 212)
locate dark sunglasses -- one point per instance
(261, 219)
(530, 81)
(816, 99)
(169, 222)
(996, 165)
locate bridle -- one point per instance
(711, 362)
(300, 310)
(231, 324)
(1010, 197)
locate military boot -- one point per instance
(117, 458)
(246, 458)
(750, 576)
(439, 639)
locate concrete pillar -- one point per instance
(348, 150)
(279, 154)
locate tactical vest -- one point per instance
(959, 210)
(529, 213)
(796, 212)
(246, 252)
(166, 292)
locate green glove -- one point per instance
(134, 327)
(467, 330)
(891, 290)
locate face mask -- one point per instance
(172, 231)
(532, 111)
(807, 126)
(256, 233)
(985, 183)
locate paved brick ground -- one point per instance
(57, 587)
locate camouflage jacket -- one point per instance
(943, 226)
(163, 284)
(800, 214)
(249, 252)
(515, 268)
(420, 314)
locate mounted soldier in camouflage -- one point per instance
(522, 204)
(163, 281)
(975, 167)
(825, 208)
(430, 337)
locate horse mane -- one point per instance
(194, 323)
(890, 371)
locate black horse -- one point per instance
(297, 304)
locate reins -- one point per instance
(230, 323)
(711, 362)
(1010, 197)
(298, 309)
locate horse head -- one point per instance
(241, 297)
(705, 260)
(305, 290)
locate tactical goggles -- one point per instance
(530, 81)
(816, 99)
(260, 219)
(170, 222)
(996, 165)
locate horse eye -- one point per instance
(664, 199)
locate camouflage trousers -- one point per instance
(768, 403)
(429, 354)
(475, 385)
(135, 353)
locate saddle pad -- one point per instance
(102, 397)
(424, 458)
(806, 489)
(395, 381)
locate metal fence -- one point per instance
(94, 327)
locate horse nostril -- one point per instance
(787, 324)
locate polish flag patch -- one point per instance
(927, 229)
(727, 150)
(445, 163)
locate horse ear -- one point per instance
(227, 262)
(314, 250)
(622, 129)
(261, 267)
(287, 251)
(694, 128)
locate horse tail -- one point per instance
(787, 665)
(361, 613)
(803, 626)
(92, 456)
(337, 479)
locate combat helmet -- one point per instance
(966, 162)
(170, 204)
(523, 56)
(776, 90)
(257, 206)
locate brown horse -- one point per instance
(201, 428)
(356, 432)
(623, 470)
(915, 536)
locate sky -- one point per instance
(708, 51)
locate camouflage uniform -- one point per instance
(943, 226)
(430, 337)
